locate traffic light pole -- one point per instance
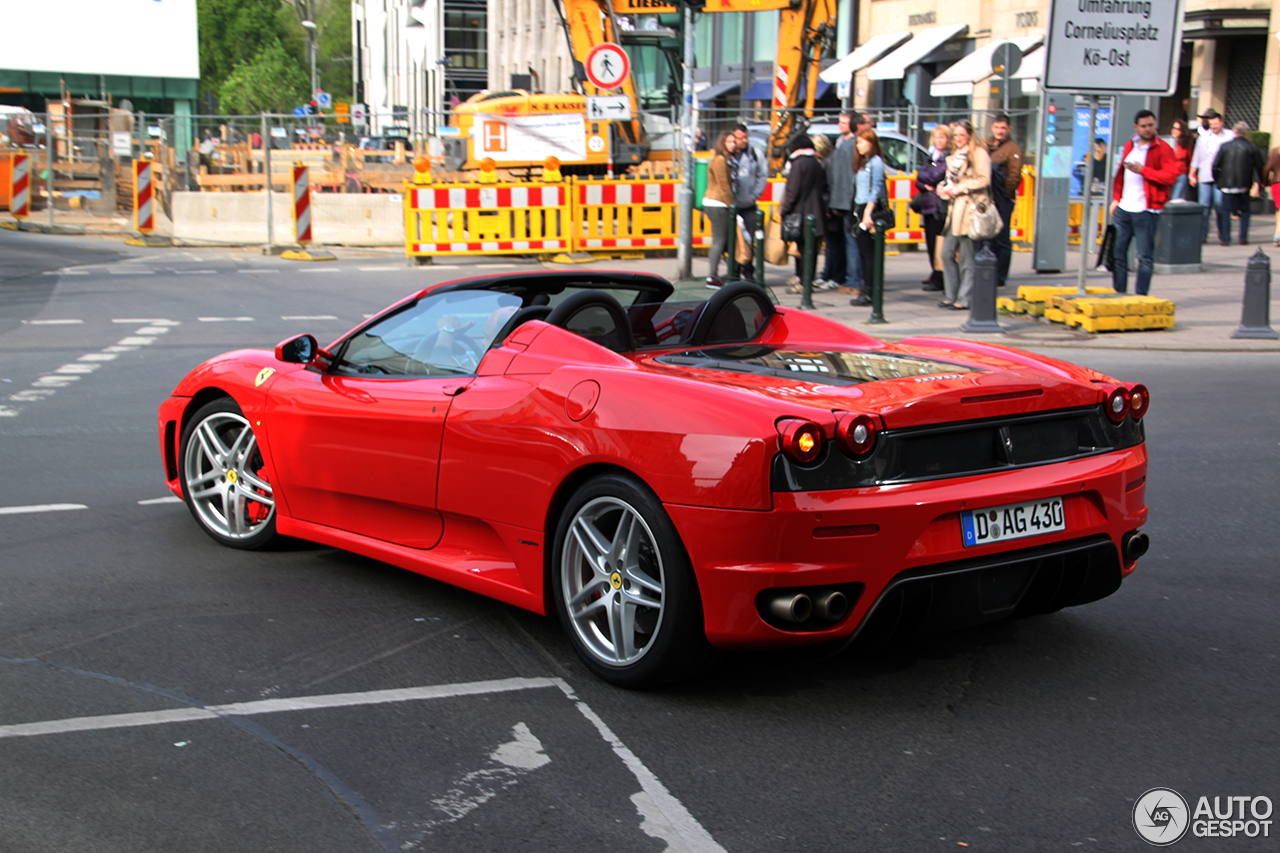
(684, 246)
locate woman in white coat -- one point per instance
(968, 183)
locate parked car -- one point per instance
(384, 143)
(674, 469)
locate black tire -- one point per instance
(219, 467)
(619, 570)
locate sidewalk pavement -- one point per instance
(1208, 302)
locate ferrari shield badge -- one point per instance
(263, 375)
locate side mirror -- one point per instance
(297, 350)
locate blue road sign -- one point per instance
(300, 111)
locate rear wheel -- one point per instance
(221, 471)
(623, 586)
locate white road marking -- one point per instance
(445, 266)
(496, 266)
(66, 272)
(319, 269)
(195, 272)
(19, 510)
(379, 269)
(53, 322)
(118, 348)
(515, 758)
(269, 706)
(131, 272)
(78, 368)
(663, 815)
(146, 321)
(225, 319)
(168, 499)
(696, 839)
(308, 317)
(31, 395)
(135, 341)
(152, 330)
(97, 356)
(58, 381)
(9, 411)
(258, 272)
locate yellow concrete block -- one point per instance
(1055, 315)
(1074, 320)
(1004, 303)
(1041, 293)
(1148, 321)
(1102, 324)
(1116, 307)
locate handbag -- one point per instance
(775, 248)
(882, 216)
(1107, 251)
(742, 250)
(917, 203)
(793, 227)
(984, 221)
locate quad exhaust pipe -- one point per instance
(1134, 545)
(824, 606)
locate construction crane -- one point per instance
(806, 33)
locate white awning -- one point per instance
(873, 49)
(960, 78)
(894, 66)
(1031, 72)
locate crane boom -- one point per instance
(806, 32)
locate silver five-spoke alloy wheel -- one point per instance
(612, 578)
(221, 462)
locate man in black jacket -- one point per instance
(1006, 174)
(1237, 169)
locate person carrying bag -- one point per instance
(972, 212)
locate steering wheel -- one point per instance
(422, 352)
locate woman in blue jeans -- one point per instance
(868, 188)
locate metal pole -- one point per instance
(759, 245)
(807, 262)
(731, 246)
(266, 180)
(877, 279)
(48, 161)
(684, 246)
(1087, 231)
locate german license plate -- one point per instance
(1012, 521)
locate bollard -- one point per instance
(877, 278)
(760, 257)
(807, 263)
(982, 300)
(731, 247)
(1255, 314)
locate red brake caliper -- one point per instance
(256, 511)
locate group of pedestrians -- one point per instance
(736, 179)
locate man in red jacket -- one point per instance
(1147, 171)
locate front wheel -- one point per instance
(623, 586)
(221, 471)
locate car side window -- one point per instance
(441, 335)
(895, 152)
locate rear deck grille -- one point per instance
(961, 449)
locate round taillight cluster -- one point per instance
(856, 435)
(1117, 404)
(1139, 401)
(801, 440)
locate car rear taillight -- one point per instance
(1117, 404)
(801, 440)
(1139, 401)
(856, 435)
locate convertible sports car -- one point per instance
(671, 468)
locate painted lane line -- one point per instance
(146, 321)
(380, 269)
(132, 272)
(9, 411)
(59, 381)
(31, 395)
(66, 272)
(118, 348)
(53, 322)
(195, 272)
(135, 341)
(319, 269)
(696, 839)
(308, 317)
(78, 368)
(269, 706)
(225, 319)
(258, 272)
(152, 330)
(169, 499)
(22, 510)
(98, 356)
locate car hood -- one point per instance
(904, 386)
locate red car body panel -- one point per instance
(460, 477)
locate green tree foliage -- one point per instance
(272, 82)
(232, 32)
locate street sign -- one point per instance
(608, 66)
(600, 107)
(300, 111)
(1093, 48)
(358, 114)
(323, 99)
(122, 143)
(343, 112)
(1006, 60)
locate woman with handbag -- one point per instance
(805, 194)
(966, 186)
(868, 191)
(933, 210)
(717, 203)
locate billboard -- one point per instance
(141, 38)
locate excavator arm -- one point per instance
(806, 31)
(588, 23)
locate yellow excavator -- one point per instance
(517, 129)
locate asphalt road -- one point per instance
(1023, 736)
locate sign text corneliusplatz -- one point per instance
(1106, 46)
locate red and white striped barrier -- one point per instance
(302, 204)
(143, 210)
(20, 186)
(482, 198)
(486, 219)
